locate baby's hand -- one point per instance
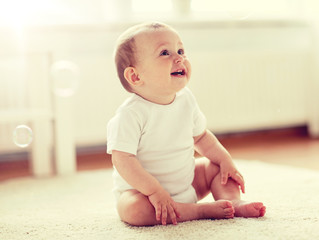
(164, 206)
(228, 170)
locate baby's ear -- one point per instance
(132, 77)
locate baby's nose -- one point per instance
(179, 58)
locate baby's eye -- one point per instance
(180, 51)
(164, 53)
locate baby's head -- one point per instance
(150, 46)
(125, 52)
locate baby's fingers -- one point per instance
(224, 177)
(168, 211)
(240, 180)
(171, 212)
(158, 212)
(164, 215)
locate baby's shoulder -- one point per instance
(132, 108)
(187, 95)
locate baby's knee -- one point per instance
(135, 209)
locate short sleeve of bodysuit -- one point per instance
(199, 119)
(123, 132)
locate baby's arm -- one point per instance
(208, 146)
(132, 171)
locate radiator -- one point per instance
(242, 91)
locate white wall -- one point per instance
(247, 75)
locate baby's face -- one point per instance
(161, 61)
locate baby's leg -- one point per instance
(207, 179)
(231, 191)
(134, 208)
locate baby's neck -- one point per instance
(162, 100)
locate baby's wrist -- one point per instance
(157, 188)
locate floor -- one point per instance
(287, 147)
(290, 146)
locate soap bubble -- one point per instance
(22, 136)
(65, 78)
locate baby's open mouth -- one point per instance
(178, 73)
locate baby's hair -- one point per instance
(125, 49)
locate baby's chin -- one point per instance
(181, 84)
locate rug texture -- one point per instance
(82, 206)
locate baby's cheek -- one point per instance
(189, 69)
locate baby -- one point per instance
(154, 133)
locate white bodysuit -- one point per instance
(161, 137)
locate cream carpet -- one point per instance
(82, 207)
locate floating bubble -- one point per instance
(65, 78)
(22, 136)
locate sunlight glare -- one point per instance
(19, 13)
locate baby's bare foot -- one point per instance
(249, 209)
(217, 210)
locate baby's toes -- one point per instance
(262, 211)
(258, 205)
(227, 204)
(229, 212)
